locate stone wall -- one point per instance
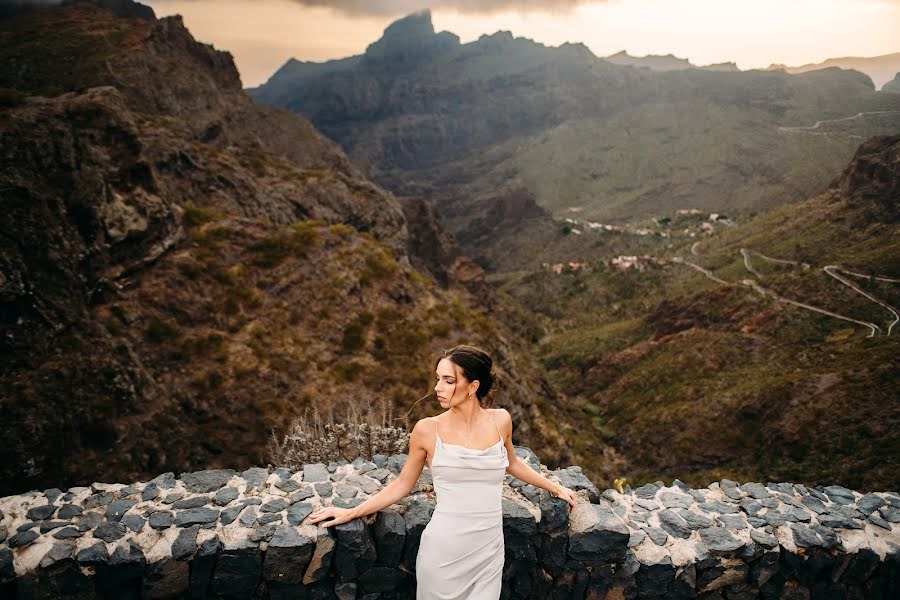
(224, 534)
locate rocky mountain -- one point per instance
(669, 62)
(182, 272)
(765, 349)
(880, 68)
(473, 124)
(893, 85)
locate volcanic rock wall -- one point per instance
(224, 534)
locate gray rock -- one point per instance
(792, 513)
(288, 485)
(133, 522)
(768, 502)
(839, 494)
(814, 504)
(185, 544)
(890, 514)
(67, 511)
(829, 538)
(230, 514)
(800, 489)
(89, 520)
(109, 531)
(596, 534)
(784, 488)
(750, 507)
(173, 497)
(756, 490)
(226, 495)
(23, 538)
(305, 491)
(365, 483)
(128, 490)
(876, 520)
(718, 507)
(61, 550)
(380, 460)
(116, 510)
(7, 568)
(673, 524)
(27, 526)
(315, 472)
(804, 537)
(256, 478)
(347, 502)
(151, 492)
(818, 495)
(274, 505)
(390, 534)
(345, 491)
(263, 533)
(195, 516)
(773, 518)
(39, 513)
(248, 518)
(162, 519)
(164, 481)
(323, 489)
(694, 520)
(675, 499)
(192, 502)
(93, 555)
(127, 553)
(51, 525)
(67, 533)
(697, 495)
(99, 499)
(366, 467)
(636, 537)
(733, 521)
(869, 503)
(267, 518)
(727, 484)
(762, 538)
(719, 539)
(251, 500)
(298, 511)
(380, 474)
(202, 482)
(645, 504)
(395, 463)
(733, 494)
(283, 473)
(656, 534)
(647, 492)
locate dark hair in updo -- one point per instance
(476, 365)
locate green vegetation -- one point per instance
(296, 242)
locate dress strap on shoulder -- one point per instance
(495, 425)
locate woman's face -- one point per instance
(451, 387)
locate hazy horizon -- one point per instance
(263, 34)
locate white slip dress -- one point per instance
(461, 552)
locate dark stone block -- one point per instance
(162, 519)
(192, 502)
(653, 580)
(269, 518)
(596, 535)
(763, 569)
(416, 517)
(262, 533)
(288, 556)
(230, 514)
(23, 538)
(116, 510)
(694, 520)
(518, 527)
(804, 537)
(168, 578)
(93, 555)
(202, 567)
(67, 533)
(862, 565)
(322, 556)
(869, 503)
(202, 482)
(151, 492)
(554, 514)
(89, 520)
(256, 478)
(315, 472)
(185, 544)
(133, 522)
(99, 499)
(194, 516)
(226, 495)
(719, 539)
(165, 481)
(276, 505)
(355, 551)
(67, 511)
(39, 513)
(47, 526)
(390, 534)
(237, 573)
(298, 511)
(109, 531)
(673, 524)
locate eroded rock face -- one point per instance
(235, 533)
(873, 176)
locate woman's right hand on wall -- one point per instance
(341, 515)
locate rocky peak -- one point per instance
(121, 8)
(410, 40)
(874, 175)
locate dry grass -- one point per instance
(364, 433)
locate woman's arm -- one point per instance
(522, 470)
(392, 492)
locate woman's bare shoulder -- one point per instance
(501, 415)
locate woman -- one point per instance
(461, 552)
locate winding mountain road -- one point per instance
(831, 270)
(812, 128)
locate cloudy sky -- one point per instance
(263, 34)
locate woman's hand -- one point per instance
(567, 495)
(341, 515)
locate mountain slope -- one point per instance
(468, 123)
(183, 272)
(699, 376)
(880, 68)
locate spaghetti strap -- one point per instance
(495, 425)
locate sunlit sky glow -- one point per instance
(263, 34)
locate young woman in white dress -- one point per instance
(461, 552)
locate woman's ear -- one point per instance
(473, 387)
